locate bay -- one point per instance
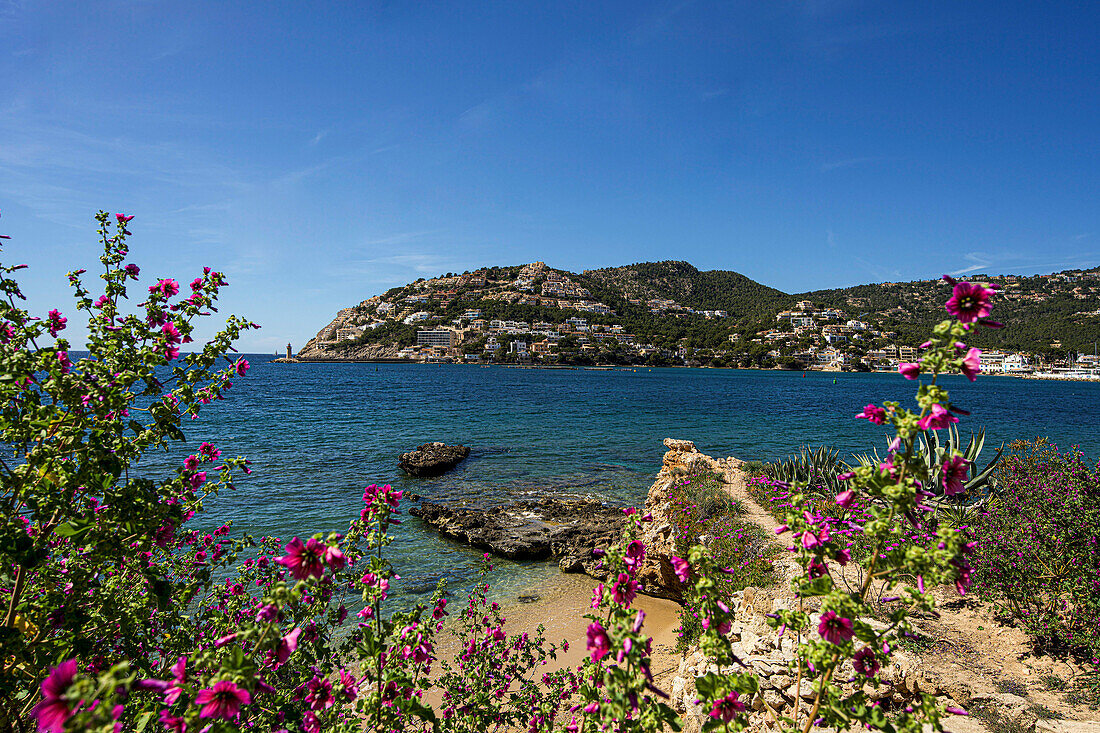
(318, 433)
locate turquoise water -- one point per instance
(318, 433)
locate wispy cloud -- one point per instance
(318, 137)
(978, 261)
(402, 237)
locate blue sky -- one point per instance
(322, 152)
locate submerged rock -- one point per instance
(569, 529)
(432, 459)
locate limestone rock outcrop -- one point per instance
(567, 529)
(682, 459)
(433, 459)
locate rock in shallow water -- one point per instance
(538, 530)
(432, 459)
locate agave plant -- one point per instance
(816, 468)
(933, 452)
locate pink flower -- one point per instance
(635, 553)
(197, 480)
(969, 302)
(624, 590)
(57, 323)
(172, 723)
(954, 472)
(319, 695)
(223, 700)
(936, 419)
(726, 708)
(208, 450)
(133, 270)
(874, 413)
(909, 370)
(242, 367)
(971, 364)
(834, 629)
(682, 568)
(170, 333)
(284, 647)
(865, 662)
(190, 463)
(54, 709)
(334, 558)
(304, 561)
(846, 499)
(598, 642)
(349, 685)
(123, 219)
(165, 287)
(63, 360)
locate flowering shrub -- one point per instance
(117, 615)
(1038, 546)
(702, 512)
(839, 651)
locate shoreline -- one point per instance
(564, 598)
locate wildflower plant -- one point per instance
(839, 650)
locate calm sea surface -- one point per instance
(318, 433)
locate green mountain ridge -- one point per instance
(672, 306)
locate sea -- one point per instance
(318, 433)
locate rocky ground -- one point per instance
(966, 656)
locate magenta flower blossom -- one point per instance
(726, 708)
(242, 367)
(133, 270)
(969, 302)
(170, 333)
(190, 463)
(223, 700)
(635, 553)
(123, 219)
(57, 322)
(624, 590)
(319, 693)
(909, 370)
(334, 558)
(304, 560)
(846, 499)
(937, 418)
(834, 629)
(63, 360)
(208, 450)
(971, 364)
(179, 678)
(197, 480)
(865, 662)
(954, 472)
(874, 413)
(598, 643)
(682, 568)
(165, 287)
(349, 685)
(54, 709)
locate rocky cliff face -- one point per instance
(682, 459)
(322, 345)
